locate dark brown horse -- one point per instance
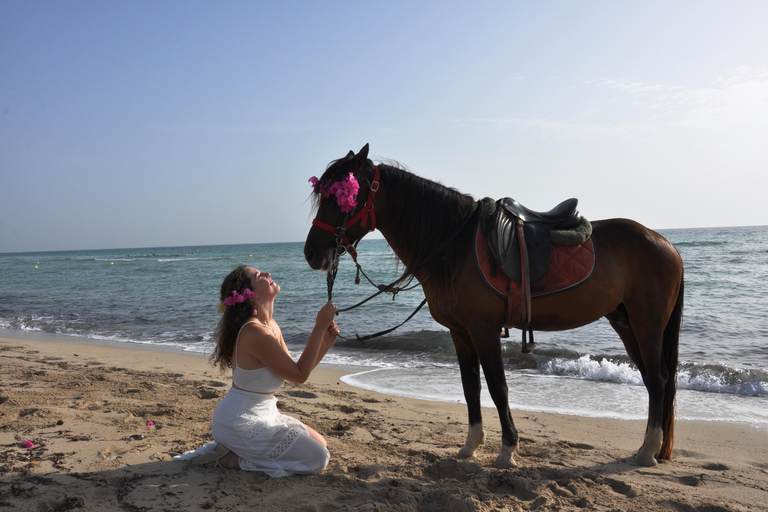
(637, 284)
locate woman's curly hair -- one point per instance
(232, 319)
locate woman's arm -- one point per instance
(329, 338)
(265, 347)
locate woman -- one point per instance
(249, 431)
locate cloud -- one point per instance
(630, 87)
(735, 102)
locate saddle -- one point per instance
(520, 242)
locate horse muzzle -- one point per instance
(320, 260)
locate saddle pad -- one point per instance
(571, 265)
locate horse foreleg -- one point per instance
(493, 367)
(475, 439)
(470, 380)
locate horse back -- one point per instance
(634, 246)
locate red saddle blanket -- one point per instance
(571, 265)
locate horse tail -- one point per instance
(671, 343)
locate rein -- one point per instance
(344, 245)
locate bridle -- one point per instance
(343, 243)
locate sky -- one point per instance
(178, 123)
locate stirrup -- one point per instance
(528, 345)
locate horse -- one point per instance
(637, 284)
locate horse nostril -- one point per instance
(309, 254)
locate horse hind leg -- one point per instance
(470, 380)
(648, 361)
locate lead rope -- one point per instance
(331, 277)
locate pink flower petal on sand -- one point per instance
(29, 444)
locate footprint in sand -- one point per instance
(207, 394)
(113, 452)
(298, 393)
(85, 405)
(451, 468)
(714, 466)
(620, 487)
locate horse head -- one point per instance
(343, 197)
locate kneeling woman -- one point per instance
(250, 433)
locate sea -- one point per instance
(166, 298)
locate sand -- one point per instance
(86, 408)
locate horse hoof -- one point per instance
(648, 461)
(504, 462)
(506, 458)
(475, 439)
(466, 452)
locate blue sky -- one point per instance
(145, 124)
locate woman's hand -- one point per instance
(326, 315)
(330, 336)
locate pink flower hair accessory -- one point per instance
(237, 298)
(345, 191)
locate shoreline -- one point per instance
(86, 407)
(394, 388)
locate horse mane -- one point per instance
(430, 216)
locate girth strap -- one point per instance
(525, 290)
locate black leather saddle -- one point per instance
(500, 228)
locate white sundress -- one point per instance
(250, 425)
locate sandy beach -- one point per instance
(87, 410)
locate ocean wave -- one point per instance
(723, 379)
(587, 368)
(711, 378)
(180, 259)
(707, 243)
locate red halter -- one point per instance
(361, 216)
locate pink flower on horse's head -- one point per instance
(345, 191)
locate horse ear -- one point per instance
(362, 156)
(351, 154)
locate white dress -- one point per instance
(249, 424)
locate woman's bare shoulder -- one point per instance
(254, 333)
